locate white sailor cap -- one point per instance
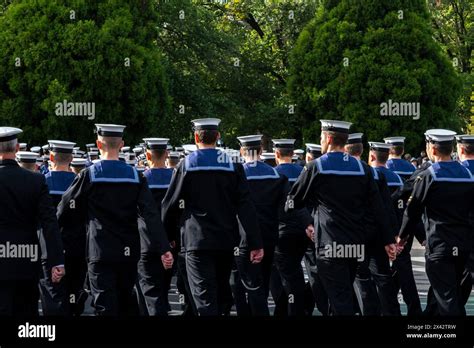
(174, 154)
(381, 147)
(125, 149)
(294, 157)
(78, 162)
(250, 140)
(90, 145)
(110, 130)
(131, 161)
(188, 148)
(122, 157)
(313, 148)
(92, 149)
(335, 126)
(36, 149)
(267, 156)
(440, 136)
(137, 150)
(23, 146)
(284, 143)
(93, 153)
(355, 138)
(299, 151)
(179, 149)
(169, 147)
(39, 161)
(45, 147)
(206, 123)
(465, 139)
(61, 146)
(156, 143)
(26, 157)
(394, 140)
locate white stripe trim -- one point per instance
(158, 186)
(339, 172)
(53, 192)
(261, 177)
(134, 180)
(435, 178)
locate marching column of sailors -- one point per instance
(120, 226)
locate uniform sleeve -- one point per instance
(246, 211)
(154, 232)
(415, 205)
(50, 227)
(390, 209)
(377, 208)
(300, 194)
(72, 209)
(170, 207)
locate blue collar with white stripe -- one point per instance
(208, 159)
(339, 163)
(258, 170)
(158, 178)
(451, 171)
(59, 182)
(392, 178)
(113, 171)
(469, 164)
(290, 170)
(400, 166)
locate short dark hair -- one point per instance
(397, 150)
(444, 149)
(207, 136)
(469, 148)
(252, 150)
(157, 154)
(355, 149)
(285, 152)
(62, 158)
(339, 139)
(381, 156)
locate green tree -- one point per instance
(355, 55)
(83, 51)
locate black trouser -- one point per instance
(250, 283)
(182, 283)
(405, 280)
(318, 294)
(376, 269)
(151, 289)
(19, 297)
(289, 252)
(112, 287)
(208, 276)
(67, 297)
(446, 274)
(337, 275)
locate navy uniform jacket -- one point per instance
(444, 192)
(268, 191)
(401, 167)
(293, 221)
(73, 235)
(469, 164)
(206, 196)
(158, 180)
(344, 191)
(394, 184)
(25, 204)
(109, 196)
(384, 183)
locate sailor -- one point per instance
(343, 192)
(208, 195)
(402, 266)
(251, 282)
(27, 160)
(173, 159)
(268, 158)
(445, 193)
(109, 196)
(292, 240)
(24, 206)
(78, 164)
(313, 151)
(154, 281)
